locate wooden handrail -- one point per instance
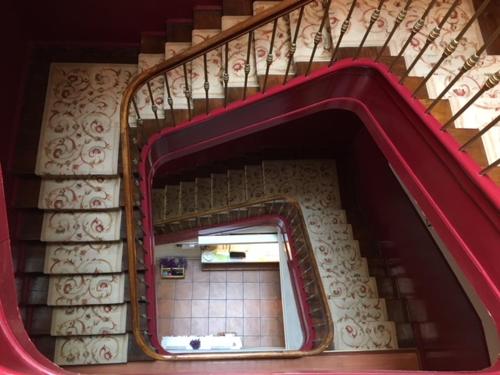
(252, 23)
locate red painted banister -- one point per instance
(426, 159)
(18, 355)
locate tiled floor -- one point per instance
(211, 302)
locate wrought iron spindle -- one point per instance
(491, 82)
(293, 45)
(136, 109)
(247, 64)
(206, 84)
(415, 29)
(399, 19)
(187, 91)
(170, 101)
(269, 59)
(343, 30)
(490, 167)
(430, 39)
(480, 134)
(318, 37)
(373, 19)
(450, 48)
(225, 76)
(154, 107)
(468, 64)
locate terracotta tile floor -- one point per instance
(210, 302)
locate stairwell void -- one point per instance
(392, 245)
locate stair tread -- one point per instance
(83, 258)
(85, 289)
(81, 226)
(142, 97)
(176, 79)
(89, 320)
(237, 56)
(90, 350)
(79, 194)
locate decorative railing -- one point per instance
(286, 214)
(140, 250)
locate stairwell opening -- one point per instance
(232, 292)
(393, 252)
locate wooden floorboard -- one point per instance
(394, 360)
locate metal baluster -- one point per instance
(136, 109)
(343, 30)
(225, 76)
(450, 48)
(170, 101)
(206, 84)
(318, 37)
(399, 19)
(415, 29)
(247, 64)
(469, 64)
(269, 59)
(430, 39)
(481, 133)
(490, 167)
(373, 19)
(154, 108)
(187, 91)
(293, 45)
(491, 82)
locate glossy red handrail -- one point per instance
(18, 355)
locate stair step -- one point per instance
(172, 202)
(176, 78)
(91, 350)
(412, 83)
(89, 320)
(187, 197)
(207, 17)
(214, 70)
(86, 290)
(203, 193)
(254, 182)
(311, 20)
(338, 251)
(441, 111)
(356, 335)
(158, 204)
(475, 150)
(237, 56)
(281, 45)
(178, 30)
(236, 186)
(82, 138)
(143, 97)
(219, 190)
(352, 288)
(152, 42)
(83, 258)
(236, 7)
(340, 270)
(79, 194)
(84, 226)
(362, 309)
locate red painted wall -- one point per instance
(447, 330)
(14, 44)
